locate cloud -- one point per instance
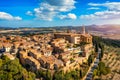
(45, 12)
(93, 8)
(48, 9)
(61, 2)
(7, 16)
(61, 5)
(68, 16)
(29, 13)
(112, 11)
(109, 5)
(102, 15)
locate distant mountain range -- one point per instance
(106, 29)
(6, 28)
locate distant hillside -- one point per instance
(6, 28)
(105, 31)
(105, 28)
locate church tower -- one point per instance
(83, 30)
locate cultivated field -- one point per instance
(112, 60)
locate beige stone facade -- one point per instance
(74, 37)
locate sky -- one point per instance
(48, 13)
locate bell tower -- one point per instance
(83, 29)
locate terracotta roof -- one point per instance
(50, 59)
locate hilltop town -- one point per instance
(60, 40)
(52, 51)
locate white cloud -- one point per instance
(68, 16)
(45, 12)
(102, 15)
(61, 5)
(109, 5)
(61, 2)
(50, 8)
(29, 13)
(112, 11)
(93, 8)
(7, 16)
(17, 18)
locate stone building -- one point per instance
(75, 38)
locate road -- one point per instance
(93, 66)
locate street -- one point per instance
(93, 66)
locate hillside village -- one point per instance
(52, 51)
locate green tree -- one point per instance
(101, 45)
(1, 62)
(31, 76)
(103, 69)
(81, 74)
(96, 46)
(9, 76)
(12, 70)
(58, 75)
(68, 76)
(48, 75)
(90, 60)
(95, 72)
